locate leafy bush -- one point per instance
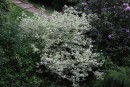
(4, 5)
(60, 40)
(17, 65)
(111, 32)
(116, 78)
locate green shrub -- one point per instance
(116, 78)
(17, 65)
(4, 5)
(111, 32)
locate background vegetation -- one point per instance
(110, 34)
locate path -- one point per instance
(27, 6)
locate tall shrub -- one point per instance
(17, 63)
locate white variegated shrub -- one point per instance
(64, 49)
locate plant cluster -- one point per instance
(111, 31)
(76, 47)
(64, 48)
(110, 35)
(17, 65)
(116, 78)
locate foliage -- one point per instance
(57, 4)
(60, 40)
(111, 32)
(116, 78)
(17, 65)
(4, 5)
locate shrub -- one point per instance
(60, 40)
(4, 5)
(16, 62)
(17, 65)
(116, 78)
(111, 32)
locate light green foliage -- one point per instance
(64, 49)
